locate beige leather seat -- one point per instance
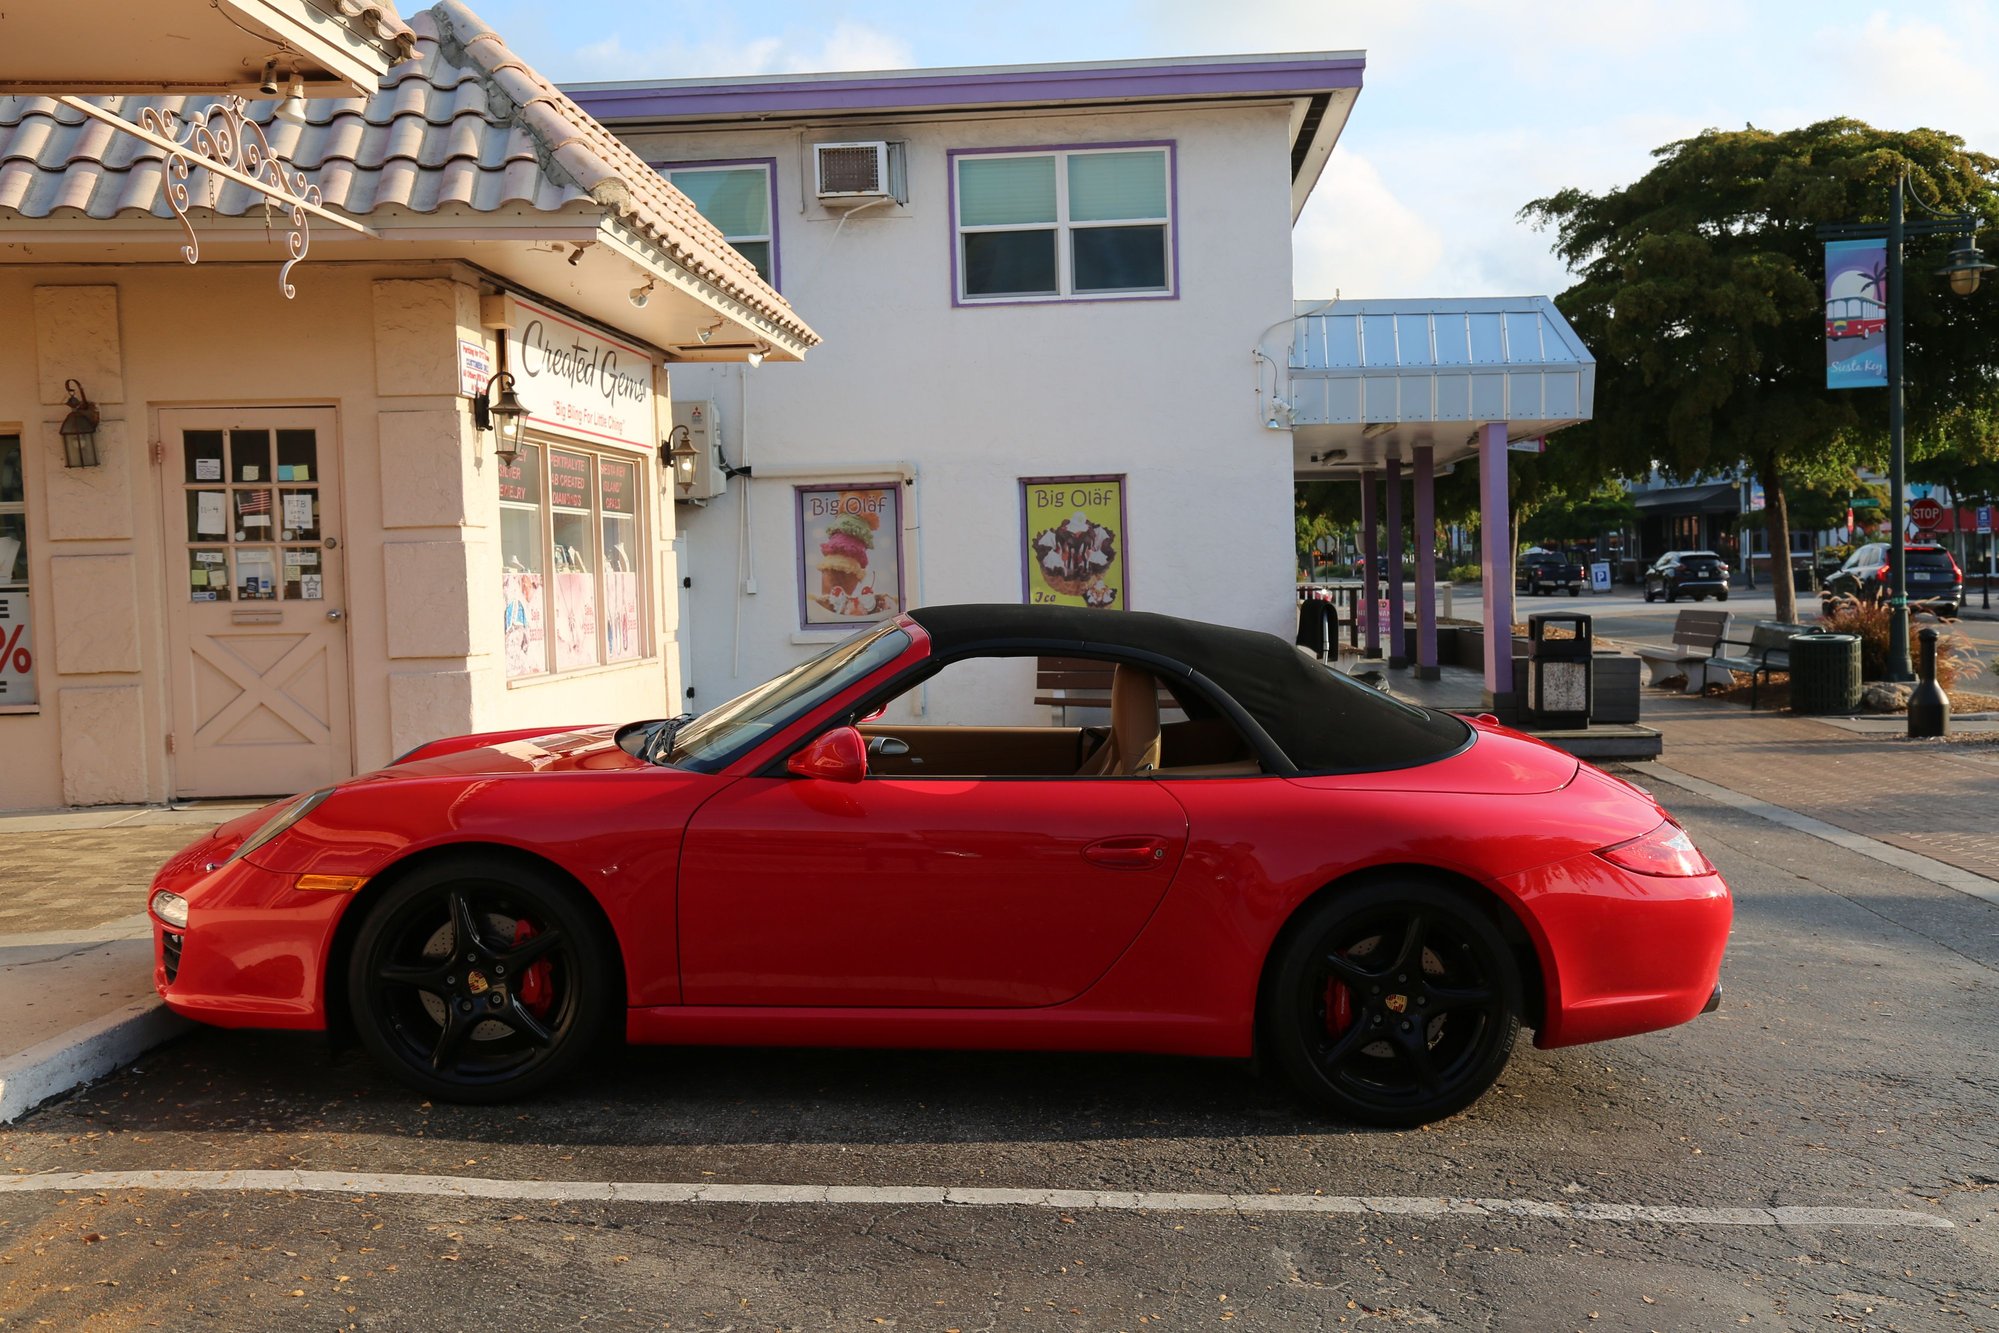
(1133, 746)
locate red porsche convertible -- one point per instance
(1256, 857)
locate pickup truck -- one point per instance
(1546, 571)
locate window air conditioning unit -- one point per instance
(704, 432)
(858, 173)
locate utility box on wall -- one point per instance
(704, 432)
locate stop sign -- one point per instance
(1926, 514)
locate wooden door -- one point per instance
(256, 606)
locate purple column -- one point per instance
(1496, 559)
(1426, 564)
(1370, 554)
(1398, 641)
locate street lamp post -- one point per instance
(1967, 265)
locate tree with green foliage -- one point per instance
(1700, 293)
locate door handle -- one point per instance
(335, 614)
(1130, 853)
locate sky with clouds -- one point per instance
(1471, 107)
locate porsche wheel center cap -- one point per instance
(1397, 1004)
(476, 983)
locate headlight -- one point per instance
(290, 813)
(170, 908)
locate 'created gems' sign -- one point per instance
(576, 381)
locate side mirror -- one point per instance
(838, 756)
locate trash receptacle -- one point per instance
(1558, 669)
(1825, 673)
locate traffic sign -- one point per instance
(1984, 520)
(1926, 514)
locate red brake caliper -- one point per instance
(1339, 1007)
(535, 991)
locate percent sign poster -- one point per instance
(17, 657)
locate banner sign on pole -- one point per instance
(1984, 520)
(1856, 314)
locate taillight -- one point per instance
(1956, 574)
(1666, 850)
(1882, 573)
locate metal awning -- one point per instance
(1371, 380)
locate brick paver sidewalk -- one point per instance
(73, 871)
(1937, 799)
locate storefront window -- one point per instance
(617, 490)
(523, 571)
(17, 656)
(572, 543)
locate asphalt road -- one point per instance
(1850, 1067)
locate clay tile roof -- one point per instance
(464, 121)
(379, 19)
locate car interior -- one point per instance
(1137, 741)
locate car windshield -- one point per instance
(1929, 557)
(721, 735)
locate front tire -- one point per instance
(1393, 1004)
(478, 979)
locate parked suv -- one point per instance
(1545, 571)
(1935, 581)
(1699, 574)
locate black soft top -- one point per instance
(1320, 719)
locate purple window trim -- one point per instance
(1123, 480)
(769, 164)
(1172, 147)
(896, 486)
(918, 91)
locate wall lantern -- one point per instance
(79, 428)
(1967, 265)
(680, 454)
(504, 416)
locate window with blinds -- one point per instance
(738, 199)
(1068, 223)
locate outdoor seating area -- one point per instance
(1697, 637)
(1766, 650)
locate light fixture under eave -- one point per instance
(292, 109)
(504, 416)
(1374, 430)
(642, 293)
(679, 454)
(756, 355)
(79, 428)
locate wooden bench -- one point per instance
(1696, 636)
(1767, 649)
(1082, 682)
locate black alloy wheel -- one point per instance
(1393, 1004)
(478, 980)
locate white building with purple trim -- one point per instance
(1044, 292)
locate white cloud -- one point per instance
(1356, 238)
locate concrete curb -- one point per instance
(85, 1052)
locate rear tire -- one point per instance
(1395, 1003)
(477, 979)
(1721, 597)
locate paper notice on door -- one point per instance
(209, 518)
(208, 469)
(298, 512)
(256, 575)
(307, 558)
(308, 588)
(198, 577)
(209, 557)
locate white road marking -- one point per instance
(668, 1192)
(1923, 867)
